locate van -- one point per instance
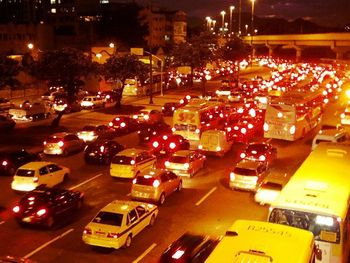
(215, 141)
(330, 135)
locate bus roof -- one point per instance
(257, 241)
(198, 104)
(296, 97)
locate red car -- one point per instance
(166, 144)
(260, 151)
(124, 124)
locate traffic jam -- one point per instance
(176, 142)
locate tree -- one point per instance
(121, 68)
(9, 69)
(65, 67)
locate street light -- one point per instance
(252, 23)
(231, 10)
(111, 45)
(208, 22)
(223, 20)
(239, 17)
(30, 45)
(214, 22)
(246, 29)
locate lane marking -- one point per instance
(2, 222)
(145, 253)
(48, 243)
(86, 181)
(269, 140)
(335, 113)
(206, 196)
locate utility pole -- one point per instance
(150, 58)
(239, 17)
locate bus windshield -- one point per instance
(324, 228)
(281, 113)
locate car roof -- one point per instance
(34, 165)
(183, 153)
(331, 133)
(153, 172)
(120, 206)
(249, 164)
(131, 151)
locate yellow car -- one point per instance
(131, 162)
(118, 223)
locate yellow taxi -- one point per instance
(131, 162)
(118, 223)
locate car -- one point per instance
(6, 123)
(54, 95)
(5, 104)
(63, 143)
(155, 185)
(102, 151)
(46, 206)
(260, 152)
(11, 160)
(345, 117)
(247, 175)
(149, 116)
(331, 127)
(124, 124)
(62, 104)
(330, 135)
(90, 102)
(33, 174)
(169, 107)
(185, 100)
(268, 191)
(189, 248)
(147, 132)
(90, 133)
(116, 224)
(185, 162)
(167, 144)
(108, 95)
(130, 162)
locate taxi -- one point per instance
(130, 162)
(118, 222)
(31, 175)
(185, 162)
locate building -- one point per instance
(164, 27)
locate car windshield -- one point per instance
(271, 186)
(124, 160)
(178, 159)
(25, 173)
(324, 228)
(108, 218)
(245, 171)
(53, 139)
(89, 128)
(145, 180)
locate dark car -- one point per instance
(102, 151)
(169, 108)
(109, 95)
(62, 104)
(124, 124)
(189, 248)
(263, 152)
(5, 104)
(11, 160)
(46, 206)
(147, 132)
(6, 123)
(167, 144)
(90, 133)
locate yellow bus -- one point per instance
(317, 198)
(249, 241)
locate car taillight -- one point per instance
(134, 181)
(35, 179)
(232, 176)
(163, 108)
(156, 183)
(45, 142)
(266, 127)
(200, 146)
(218, 148)
(186, 165)
(242, 155)
(41, 212)
(243, 130)
(122, 124)
(16, 209)
(146, 117)
(292, 129)
(155, 144)
(198, 131)
(166, 163)
(113, 235)
(178, 254)
(172, 145)
(87, 231)
(173, 129)
(262, 158)
(102, 149)
(110, 124)
(60, 143)
(342, 115)
(4, 163)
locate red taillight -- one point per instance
(155, 144)
(60, 143)
(45, 142)
(156, 183)
(134, 181)
(16, 209)
(102, 149)
(35, 179)
(178, 254)
(4, 163)
(110, 124)
(87, 231)
(41, 212)
(242, 155)
(172, 145)
(113, 235)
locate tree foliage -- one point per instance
(234, 49)
(9, 69)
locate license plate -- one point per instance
(92, 154)
(26, 219)
(162, 152)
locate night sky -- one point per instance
(323, 12)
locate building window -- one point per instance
(53, 2)
(53, 10)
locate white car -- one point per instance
(185, 162)
(118, 222)
(33, 174)
(92, 102)
(268, 192)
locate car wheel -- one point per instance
(50, 222)
(153, 219)
(128, 241)
(179, 187)
(161, 199)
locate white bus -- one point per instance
(317, 199)
(263, 242)
(293, 115)
(197, 116)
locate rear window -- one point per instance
(145, 180)
(244, 171)
(109, 218)
(125, 160)
(25, 173)
(178, 159)
(272, 186)
(53, 140)
(256, 148)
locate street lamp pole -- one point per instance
(252, 23)
(239, 17)
(231, 10)
(223, 21)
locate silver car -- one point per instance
(155, 185)
(63, 144)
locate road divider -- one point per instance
(145, 253)
(85, 182)
(206, 196)
(48, 243)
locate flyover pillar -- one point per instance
(340, 52)
(299, 51)
(254, 51)
(271, 49)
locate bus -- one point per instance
(197, 116)
(293, 115)
(256, 241)
(134, 86)
(317, 199)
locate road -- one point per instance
(206, 204)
